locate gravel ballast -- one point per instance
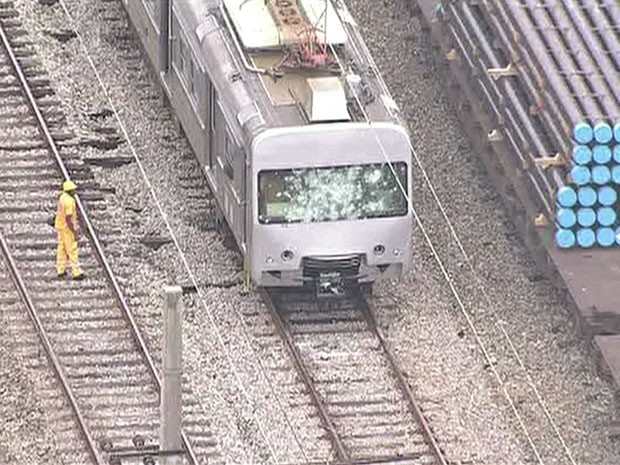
(252, 404)
(37, 425)
(25, 436)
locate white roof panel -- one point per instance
(275, 23)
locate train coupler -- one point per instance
(334, 285)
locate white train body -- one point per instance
(305, 154)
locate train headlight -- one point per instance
(379, 250)
(397, 252)
(287, 255)
(269, 259)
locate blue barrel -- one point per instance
(603, 133)
(580, 175)
(606, 216)
(586, 196)
(607, 196)
(582, 155)
(586, 217)
(605, 237)
(601, 175)
(615, 174)
(601, 154)
(567, 197)
(565, 238)
(616, 153)
(618, 235)
(566, 217)
(583, 133)
(586, 237)
(617, 132)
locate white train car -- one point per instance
(298, 136)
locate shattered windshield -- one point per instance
(335, 193)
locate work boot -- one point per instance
(79, 277)
(62, 275)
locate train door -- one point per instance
(240, 189)
(215, 171)
(218, 143)
(163, 10)
(211, 124)
(229, 173)
(212, 128)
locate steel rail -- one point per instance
(525, 140)
(521, 119)
(611, 9)
(542, 25)
(582, 32)
(97, 247)
(368, 310)
(465, 16)
(549, 102)
(49, 350)
(484, 51)
(344, 455)
(554, 119)
(514, 165)
(575, 40)
(510, 127)
(600, 20)
(341, 452)
(539, 24)
(538, 60)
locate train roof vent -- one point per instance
(323, 99)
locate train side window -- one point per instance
(176, 39)
(229, 154)
(190, 76)
(227, 144)
(182, 56)
(193, 78)
(210, 108)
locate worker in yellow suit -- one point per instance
(66, 225)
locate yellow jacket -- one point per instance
(66, 207)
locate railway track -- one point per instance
(27, 347)
(90, 336)
(377, 420)
(478, 297)
(363, 399)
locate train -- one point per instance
(302, 145)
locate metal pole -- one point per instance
(170, 406)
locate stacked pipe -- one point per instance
(547, 72)
(587, 207)
(503, 99)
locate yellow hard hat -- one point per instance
(68, 186)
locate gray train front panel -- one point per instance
(241, 122)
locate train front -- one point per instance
(330, 205)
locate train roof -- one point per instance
(288, 62)
(277, 24)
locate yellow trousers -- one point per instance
(67, 252)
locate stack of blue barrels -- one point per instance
(587, 207)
